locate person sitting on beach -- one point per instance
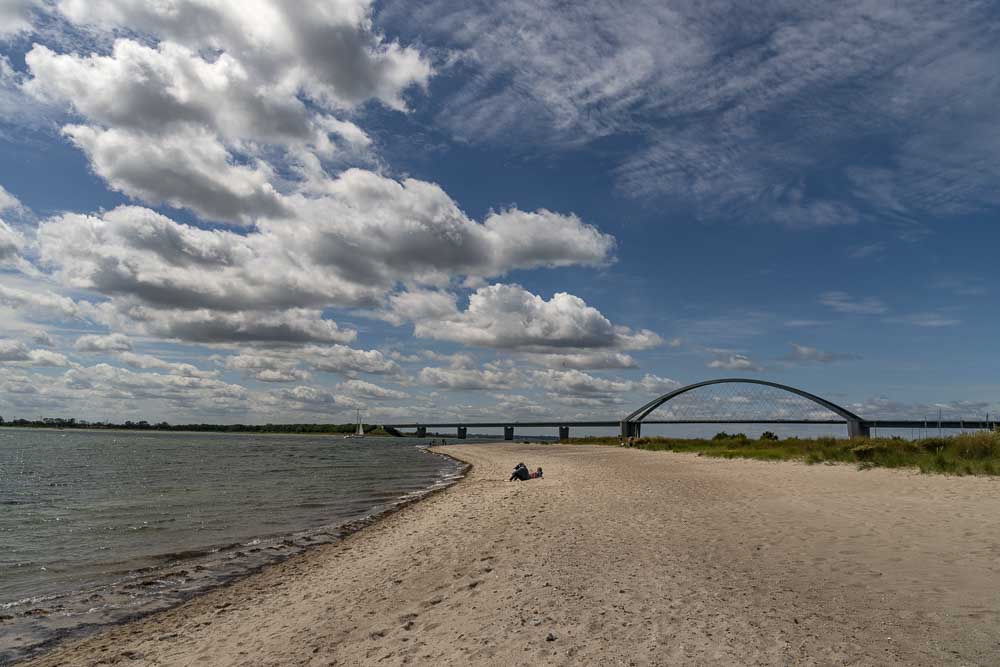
(537, 474)
(520, 473)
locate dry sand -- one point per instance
(618, 557)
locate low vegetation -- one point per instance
(965, 454)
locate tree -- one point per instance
(768, 435)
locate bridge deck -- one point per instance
(875, 423)
(631, 425)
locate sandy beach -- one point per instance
(618, 557)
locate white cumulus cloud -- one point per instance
(186, 169)
(346, 360)
(512, 318)
(473, 379)
(598, 360)
(149, 362)
(13, 350)
(328, 50)
(105, 380)
(15, 16)
(114, 342)
(267, 367)
(169, 88)
(11, 244)
(578, 383)
(363, 389)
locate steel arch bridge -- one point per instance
(707, 412)
(856, 426)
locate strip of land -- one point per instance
(618, 556)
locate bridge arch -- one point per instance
(856, 426)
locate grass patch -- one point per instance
(965, 454)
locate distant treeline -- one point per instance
(56, 422)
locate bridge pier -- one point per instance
(462, 430)
(564, 432)
(508, 432)
(631, 429)
(857, 429)
(421, 431)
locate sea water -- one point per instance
(101, 526)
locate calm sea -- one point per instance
(96, 527)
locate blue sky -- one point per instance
(260, 212)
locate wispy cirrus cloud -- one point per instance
(804, 353)
(867, 250)
(740, 108)
(734, 362)
(926, 320)
(842, 302)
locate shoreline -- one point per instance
(341, 532)
(616, 555)
(133, 431)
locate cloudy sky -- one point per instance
(280, 211)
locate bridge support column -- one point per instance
(631, 429)
(461, 432)
(508, 432)
(421, 431)
(564, 432)
(857, 429)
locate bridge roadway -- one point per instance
(461, 428)
(631, 425)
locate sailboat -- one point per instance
(359, 432)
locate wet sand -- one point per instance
(618, 557)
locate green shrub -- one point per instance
(722, 435)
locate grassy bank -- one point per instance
(966, 454)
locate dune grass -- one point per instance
(965, 454)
